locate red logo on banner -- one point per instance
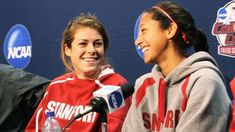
(224, 29)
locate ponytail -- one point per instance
(199, 41)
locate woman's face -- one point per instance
(86, 52)
(152, 39)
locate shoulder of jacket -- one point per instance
(62, 79)
(142, 78)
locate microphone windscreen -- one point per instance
(127, 90)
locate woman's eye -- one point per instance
(82, 43)
(143, 30)
(98, 44)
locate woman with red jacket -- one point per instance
(83, 49)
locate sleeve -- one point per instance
(208, 107)
(35, 123)
(30, 98)
(22, 92)
(31, 88)
(115, 119)
(132, 120)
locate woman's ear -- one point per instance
(67, 50)
(171, 31)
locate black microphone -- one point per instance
(108, 98)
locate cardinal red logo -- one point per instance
(224, 29)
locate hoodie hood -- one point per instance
(106, 73)
(191, 64)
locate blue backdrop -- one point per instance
(46, 19)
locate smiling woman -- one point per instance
(182, 93)
(83, 47)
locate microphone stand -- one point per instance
(103, 121)
(76, 117)
(97, 104)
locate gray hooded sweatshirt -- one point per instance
(192, 98)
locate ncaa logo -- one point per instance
(224, 29)
(17, 46)
(115, 100)
(136, 34)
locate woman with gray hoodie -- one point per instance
(181, 93)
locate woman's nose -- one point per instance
(91, 48)
(138, 41)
